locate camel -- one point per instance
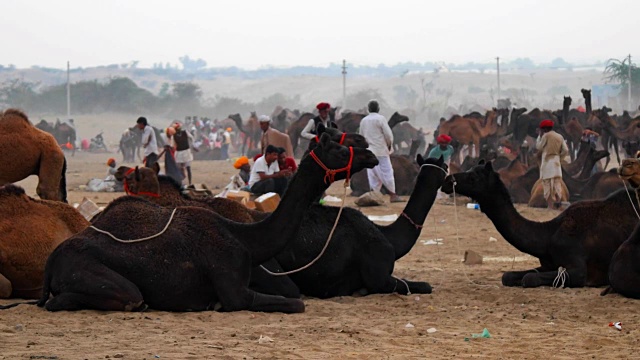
(211, 257)
(30, 229)
(537, 199)
(573, 249)
(295, 129)
(350, 122)
(528, 124)
(623, 270)
(340, 257)
(251, 131)
(468, 130)
(361, 254)
(65, 134)
(282, 118)
(33, 152)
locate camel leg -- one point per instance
(514, 278)
(273, 285)
(376, 267)
(5, 287)
(98, 288)
(50, 175)
(573, 278)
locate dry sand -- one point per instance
(523, 323)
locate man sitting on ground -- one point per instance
(266, 175)
(286, 162)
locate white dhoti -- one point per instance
(184, 157)
(382, 174)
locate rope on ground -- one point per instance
(326, 245)
(137, 240)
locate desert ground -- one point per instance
(523, 323)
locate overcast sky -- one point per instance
(251, 34)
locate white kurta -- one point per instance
(553, 149)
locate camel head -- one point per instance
(630, 170)
(481, 183)
(139, 181)
(427, 167)
(337, 161)
(566, 102)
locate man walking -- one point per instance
(376, 131)
(553, 149)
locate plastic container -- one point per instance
(473, 206)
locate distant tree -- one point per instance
(192, 65)
(361, 98)
(405, 96)
(618, 71)
(559, 90)
(560, 63)
(18, 93)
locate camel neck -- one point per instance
(525, 235)
(404, 232)
(267, 238)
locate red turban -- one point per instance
(322, 106)
(546, 124)
(444, 139)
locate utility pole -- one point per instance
(629, 87)
(344, 84)
(68, 94)
(498, 68)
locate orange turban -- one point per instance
(111, 161)
(243, 160)
(170, 131)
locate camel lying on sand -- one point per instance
(30, 230)
(574, 248)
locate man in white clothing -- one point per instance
(553, 149)
(266, 175)
(309, 131)
(376, 131)
(148, 142)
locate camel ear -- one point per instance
(137, 173)
(440, 160)
(481, 162)
(488, 166)
(119, 175)
(325, 139)
(419, 159)
(320, 129)
(156, 167)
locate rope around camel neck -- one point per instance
(137, 240)
(326, 245)
(629, 195)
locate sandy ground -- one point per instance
(524, 324)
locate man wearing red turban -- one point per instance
(443, 149)
(309, 131)
(553, 149)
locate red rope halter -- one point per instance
(331, 174)
(139, 193)
(317, 139)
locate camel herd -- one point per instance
(159, 248)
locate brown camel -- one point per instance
(211, 257)
(624, 271)
(537, 199)
(33, 152)
(295, 129)
(573, 249)
(251, 131)
(468, 130)
(30, 230)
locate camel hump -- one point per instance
(11, 190)
(16, 112)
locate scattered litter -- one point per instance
(473, 206)
(330, 198)
(617, 325)
(417, 298)
(409, 326)
(491, 238)
(508, 258)
(389, 218)
(156, 356)
(484, 334)
(443, 221)
(431, 330)
(264, 339)
(432, 241)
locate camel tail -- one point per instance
(607, 291)
(9, 306)
(63, 182)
